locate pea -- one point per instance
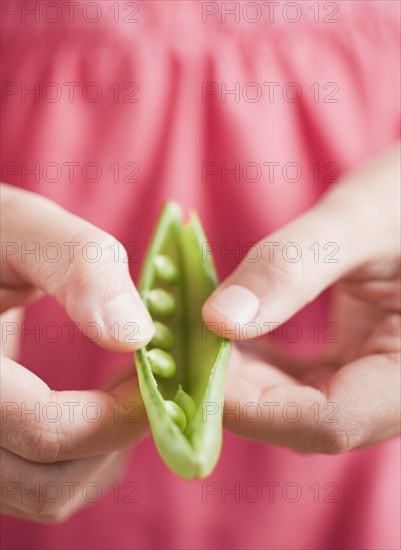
(176, 414)
(160, 302)
(186, 403)
(177, 279)
(162, 363)
(163, 337)
(166, 269)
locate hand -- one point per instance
(46, 463)
(358, 385)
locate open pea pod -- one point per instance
(182, 370)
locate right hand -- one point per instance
(36, 453)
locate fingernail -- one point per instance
(127, 320)
(237, 303)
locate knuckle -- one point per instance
(333, 439)
(286, 267)
(57, 517)
(39, 443)
(287, 275)
(50, 510)
(42, 495)
(94, 256)
(49, 446)
(41, 507)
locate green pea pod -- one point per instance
(176, 280)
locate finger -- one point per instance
(9, 322)
(356, 320)
(10, 298)
(382, 294)
(385, 338)
(49, 493)
(359, 406)
(77, 263)
(42, 425)
(266, 404)
(285, 277)
(291, 267)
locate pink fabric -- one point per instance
(169, 134)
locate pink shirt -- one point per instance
(220, 103)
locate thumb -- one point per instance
(70, 259)
(288, 269)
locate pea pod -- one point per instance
(182, 379)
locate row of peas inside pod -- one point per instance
(162, 304)
(183, 368)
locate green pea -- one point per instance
(163, 337)
(161, 363)
(160, 302)
(166, 269)
(186, 403)
(176, 414)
